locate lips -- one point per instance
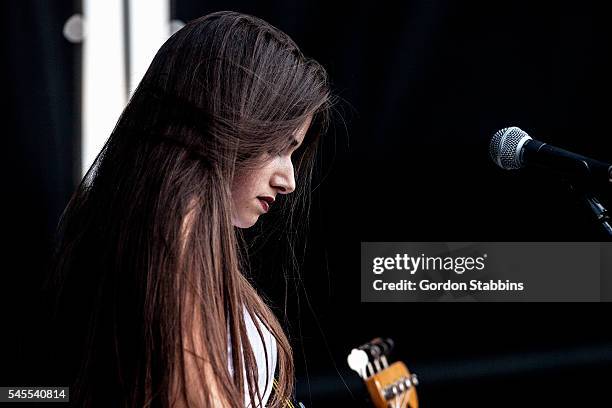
(266, 202)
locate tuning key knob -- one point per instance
(414, 379)
(358, 361)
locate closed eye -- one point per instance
(293, 146)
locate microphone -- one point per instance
(512, 148)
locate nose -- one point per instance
(283, 178)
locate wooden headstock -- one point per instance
(389, 385)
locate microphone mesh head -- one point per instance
(505, 147)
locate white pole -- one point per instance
(149, 28)
(104, 85)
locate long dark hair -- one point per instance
(146, 250)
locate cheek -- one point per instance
(248, 184)
(239, 191)
(243, 188)
(244, 206)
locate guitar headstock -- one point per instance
(389, 385)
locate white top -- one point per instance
(269, 344)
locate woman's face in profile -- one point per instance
(254, 191)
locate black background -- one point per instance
(424, 85)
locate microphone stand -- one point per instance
(601, 213)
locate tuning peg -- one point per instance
(414, 379)
(399, 387)
(358, 361)
(372, 350)
(385, 349)
(386, 344)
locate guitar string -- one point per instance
(399, 402)
(405, 398)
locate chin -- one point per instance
(246, 222)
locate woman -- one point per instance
(150, 259)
